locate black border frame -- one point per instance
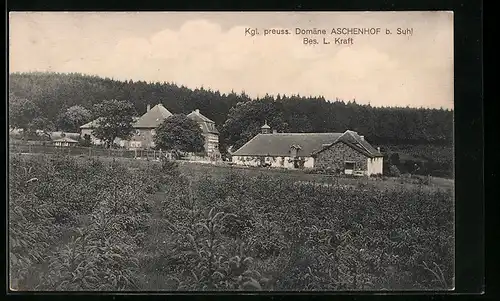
(468, 111)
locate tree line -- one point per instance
(65, 101)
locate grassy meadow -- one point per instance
(99, 224)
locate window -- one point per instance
(349, 167)
(135, 143)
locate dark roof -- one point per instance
(93, 123)
(65, 139)
(157, 114)
(90, 125)
(369, 148)
(278, 144)
(355, 141)
(153, 117)
(207, 125)
(197, 116)
(55, 135)
(60, 134)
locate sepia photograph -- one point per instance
(231, 151)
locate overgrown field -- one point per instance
(83, 224)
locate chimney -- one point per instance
(197, 111)
(362, 137)
(378, 149)
(149, 108)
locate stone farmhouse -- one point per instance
(345, 153)
(145, 127)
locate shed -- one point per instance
(65, 141)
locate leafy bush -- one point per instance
(434, 160)
(91, 225)
(394, 171)
(51, 199)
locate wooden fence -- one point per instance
(89, 151)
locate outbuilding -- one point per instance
(344, 153)
(65, 141)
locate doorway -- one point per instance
(298, 163)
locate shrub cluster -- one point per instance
(78, 224)
(75, 225)
(306, 237)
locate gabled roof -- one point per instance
(207, 125)
(355, 141)
(198, 117)
(65, 139)
(354, 137)
(90, 125)
(93, 123)
(279, 144)
(59, 134)
(56, 135)
(153, 117)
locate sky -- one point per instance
(211, 50)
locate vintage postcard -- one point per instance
(231, 151)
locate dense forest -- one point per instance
(239, 117)
(55, 92)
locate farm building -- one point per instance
(347, 152)
(145, 126)
(210, 132)
(65, 141)
(57, 135)
(87, 129)
(14, 132)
